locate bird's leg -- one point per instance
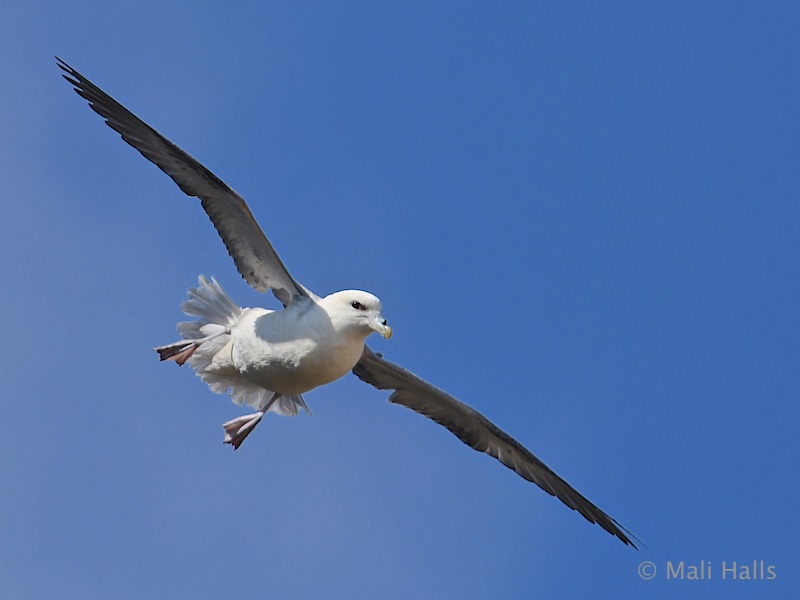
(182, 351)
(239, 428)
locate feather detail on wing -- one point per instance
(475, 430)
(250, 249)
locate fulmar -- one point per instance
(268, 359)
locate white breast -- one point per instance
(294, 350)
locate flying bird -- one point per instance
(268, 359)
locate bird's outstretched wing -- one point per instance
(475, 430)
(250, 249)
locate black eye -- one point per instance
(357, 305)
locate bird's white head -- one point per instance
(359, 310)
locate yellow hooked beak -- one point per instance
(378, 324)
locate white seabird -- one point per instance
(268, 359)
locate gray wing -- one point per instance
(250, 249)
(475, 430)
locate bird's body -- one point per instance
(279, 351)
(268, 359)
(309, 343)
(306, 345)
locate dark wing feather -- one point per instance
(250, 249)
(475, 430)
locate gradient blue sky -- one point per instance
(584, 221)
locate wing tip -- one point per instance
(625, 535)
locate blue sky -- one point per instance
(581, 220)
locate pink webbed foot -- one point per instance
(239, 428)
(180, 352)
